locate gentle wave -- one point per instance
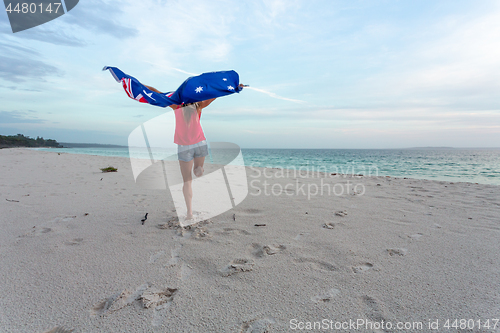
(455, 165)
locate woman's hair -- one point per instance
(188, 110)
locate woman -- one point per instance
(192, 145)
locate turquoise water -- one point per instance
(456, 165)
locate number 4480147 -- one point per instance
(471, 323)
(33, 8)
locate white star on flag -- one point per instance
(230, 88)
(224, 79)
(199, 89)
(149, 95)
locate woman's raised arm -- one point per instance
(204, 104)
(153, 89)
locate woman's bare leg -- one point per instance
(187, 190)
(198, 166)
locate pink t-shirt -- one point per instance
(188, 129)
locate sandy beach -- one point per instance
(75, 255)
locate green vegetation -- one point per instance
(25, 141)
(109, 169)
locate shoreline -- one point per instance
(327, 173)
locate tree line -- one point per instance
(20, 140)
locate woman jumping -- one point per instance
(192, 144)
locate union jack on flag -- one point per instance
(127, 85)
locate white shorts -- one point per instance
(187, 153)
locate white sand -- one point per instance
(405, 251)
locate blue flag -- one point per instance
(194, 89)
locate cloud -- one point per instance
(450, 62)
(18, 117)
(19, 89)
(56, 37)
(183, 71)
(101, 17)
(170, 68)
(182, 32)
(271, 16)
(14, 47)
(22, 65)
(273, 95)
(370, 119)
(4, 24)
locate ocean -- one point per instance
(475, 165)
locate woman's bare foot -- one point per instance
(198, 171)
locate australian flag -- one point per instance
(194, 89)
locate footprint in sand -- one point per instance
(397, 252)
(201, 233)
(197, 230)
(128, 297)
(50, 226)
(317, 264)
(325, 297)
(172, 223)
(154, 257)
(141, 204)
(233, 231)
(174, 256)
(154, 297)
(341, 213)
(237, 266)
(257, 325)
(59, 329)
(160, 315)
(361, 268)
(101, 307)
(160, 300)
(415, 236)
(37, 231)
(372, 308)
(250, 212)
(117, 301)
(301, 236)
(65, 219)
(185, 272)
(331, 225)
(144, 296)
(75, 241)
(259, 251)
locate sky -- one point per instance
(322, 74)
